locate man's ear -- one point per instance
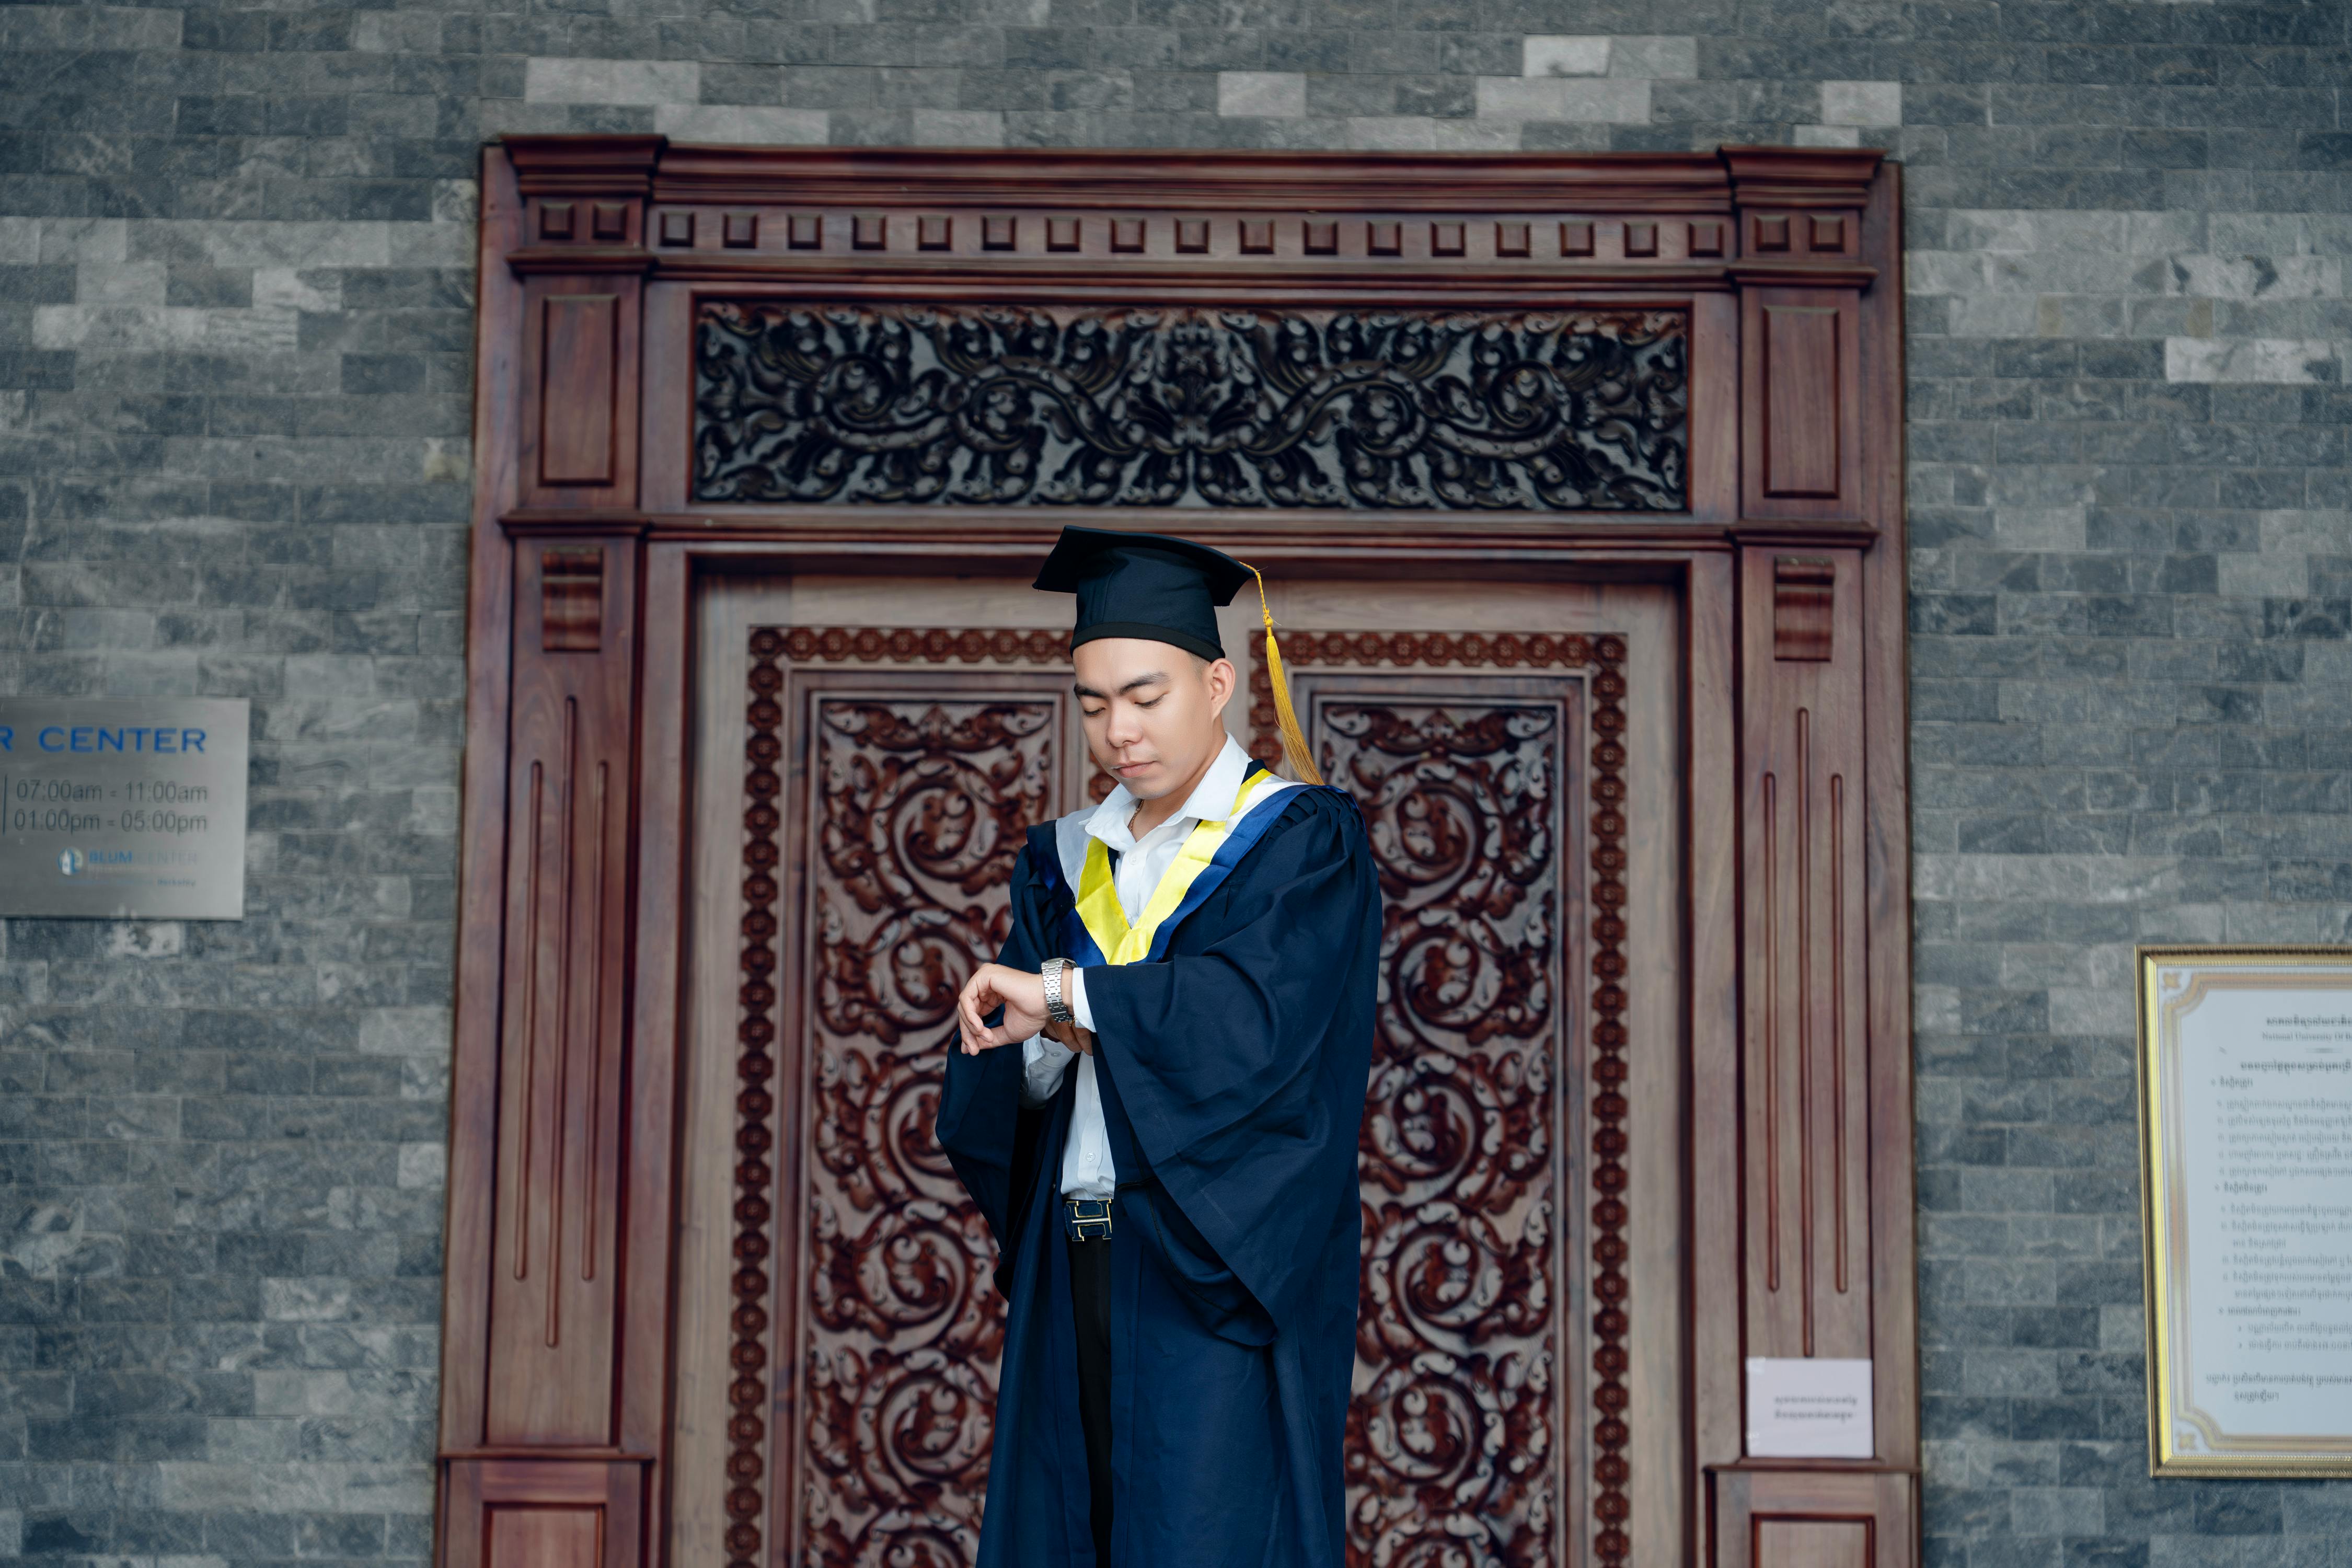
(1223, 681)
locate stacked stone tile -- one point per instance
(236, 285)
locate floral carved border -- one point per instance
(755, 1066)
(925, 644)
(1604, 657)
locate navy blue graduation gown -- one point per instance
(1231, 1068)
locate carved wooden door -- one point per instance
(1643, 1111)
(840, 1405)
(1467, 1363)
(838, 1376)
(1496, 1419)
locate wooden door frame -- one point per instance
(1788, 557)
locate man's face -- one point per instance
(1152, 710)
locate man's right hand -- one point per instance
(1070, 1037)
(1019, 993)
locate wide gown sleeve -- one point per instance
(1240, 1060)
(990, 1137)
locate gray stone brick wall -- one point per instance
(236, 298)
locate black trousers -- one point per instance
(1090, 1306)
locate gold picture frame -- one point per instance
(2245, 1137)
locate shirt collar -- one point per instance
(1210, 799)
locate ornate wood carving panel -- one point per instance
(1563, 411)
(886, 807)
(918, 808)
(1489, 1423)
(1455, 1444)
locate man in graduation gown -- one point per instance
(1160, 1123)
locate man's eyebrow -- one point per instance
(1083, 690)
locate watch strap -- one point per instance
(1057, 1005)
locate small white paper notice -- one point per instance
(1814, 1408)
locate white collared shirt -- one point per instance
(1087, 1168)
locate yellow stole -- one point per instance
(1106, 918)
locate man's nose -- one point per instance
(1125, 729)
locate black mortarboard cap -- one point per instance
(1143, 585)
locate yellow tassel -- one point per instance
(1294, 739)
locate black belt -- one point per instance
(1089, 1219)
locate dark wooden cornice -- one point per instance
(1229, 181)
(1802, 176)
(584, 165)
(1146, 179)
(884, 223)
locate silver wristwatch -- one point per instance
(1058, 1006)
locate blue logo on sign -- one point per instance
(69, 862)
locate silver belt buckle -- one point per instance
(1087, 1219)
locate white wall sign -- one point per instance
(1814, 1407)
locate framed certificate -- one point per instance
(2245, 1081)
